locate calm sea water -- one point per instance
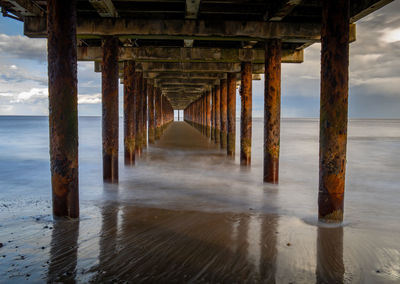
(187, 213)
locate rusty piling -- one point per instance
(144, 121)
(151, 93)
(246, 115)
(217, 115)
(272, 110)
(110, 109)
(139, 113)
(231, 114)
(224, 114)
(129, 112)
(208, 113)
(334, 108)
(212, 134)
(63, 107)
(157, 103)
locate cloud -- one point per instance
(89, 99)
(23, 47)
(32, 96)
(13, 74)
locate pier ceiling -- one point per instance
(175, 39)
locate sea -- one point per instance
(186, 213)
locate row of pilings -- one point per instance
(146, 114)
(63, 110)
(145, 110)
(218, 120)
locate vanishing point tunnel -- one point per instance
(191, 55)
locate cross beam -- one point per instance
(182, 54)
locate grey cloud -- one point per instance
(23, 48)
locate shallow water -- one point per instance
(187, 213)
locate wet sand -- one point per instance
(186, 213)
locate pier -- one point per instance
(191, 55)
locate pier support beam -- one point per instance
(212, 114)
(217, 115)
(139, 113)
(334, 107)
(151, 92)
(129, 112)
(272, 110)
(246, 115)
(231, 114)
(144, 119)
(208, 113)
(224, 118)
(158, 118)
(109, 78)
(63, 107)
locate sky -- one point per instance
(374, 87)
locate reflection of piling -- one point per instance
(110, 109)
(272, 110)
(334, 106)
(63, 252)
(231, 114)
(246, 116)
(268, 250)
(223, 104)
(129, 112)
(330, 265)
(63, 105)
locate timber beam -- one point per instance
(186, 55)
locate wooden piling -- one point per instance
(231, 114)
(246, 115)
(63, 107)
(272, 110)
(334, 108)
(151, 93)
(224, 114)
(110, 109)
(129, 112)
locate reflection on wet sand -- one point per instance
(63, 252)
(330, 265)
(160, 245)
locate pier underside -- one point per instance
(191, 55)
